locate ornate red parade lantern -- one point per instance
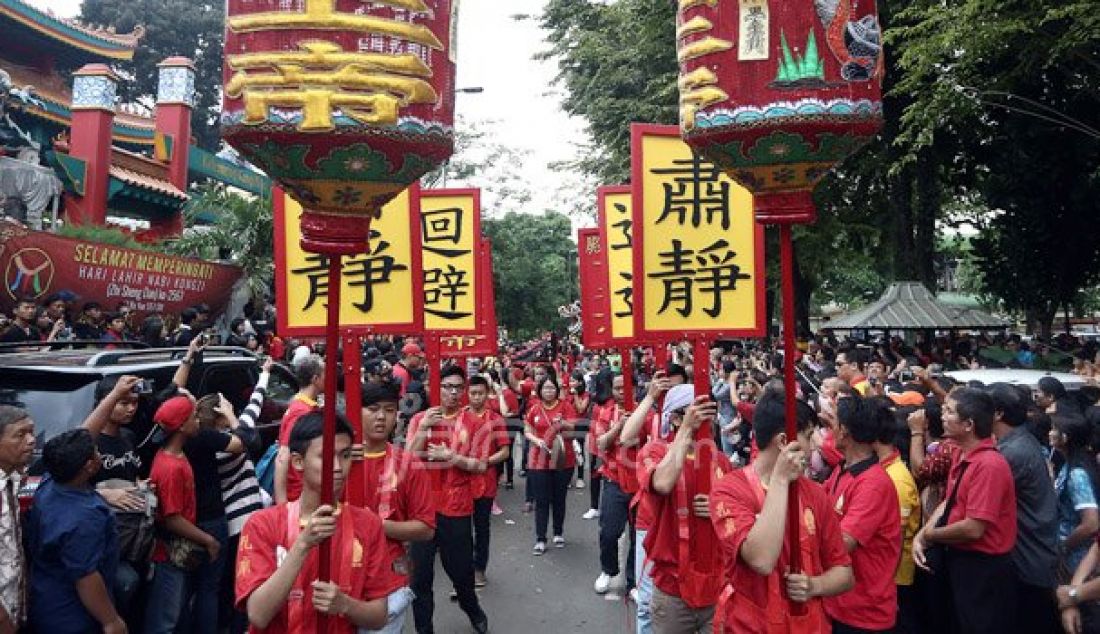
(778, 93)
(344, 103)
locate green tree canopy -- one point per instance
(191, 28)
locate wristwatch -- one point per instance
(1072, 594)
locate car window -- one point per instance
(282, 386)
(235, 381)
(56, 402)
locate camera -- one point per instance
(143, 387)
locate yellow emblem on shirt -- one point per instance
(809, 521)
(356, 554)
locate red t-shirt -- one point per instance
(299, 407)
(510, 399)
(603, 416)
(987, 493)
(174, 482)
(361, 564)
(759, 604)
(451, 486)
(628, 470)
(663, 541)
(490, 436)
(401, 373)
(544, 423)
(858, 494)
(398, 489)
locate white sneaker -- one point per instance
(580, 483)
(634, 595)
(591, 514)
(539, 549)
(559, 541)
(603, 583)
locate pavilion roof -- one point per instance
(911, 306)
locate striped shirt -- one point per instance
(240, 489)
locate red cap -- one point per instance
(174, 413)
(412, 350)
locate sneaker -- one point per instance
(559, 541)
(528, 507)
(539, 549)
(580, 483)
(479, 579)
(603, 583)
(591, 514)
(509, 485)
(496, 509)
(633, 596)
(481, 625)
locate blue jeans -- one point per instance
(169, 594)
(208, 578)
(643, 571)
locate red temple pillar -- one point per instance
(175, 100)
(93, 114)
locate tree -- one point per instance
(243, 234)
(535, 270)
(191, 28)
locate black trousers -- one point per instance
(483, 512)
(983, 592)
(454, 543)
(843, 628)
(595, 481)
(1036, 610)
(614, 519)
(550, 488)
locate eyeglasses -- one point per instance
(451, 387)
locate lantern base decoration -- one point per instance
(785, 208)
(335, 234)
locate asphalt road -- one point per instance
(537, 595)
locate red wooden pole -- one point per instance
(328, 456)
(355, 487)
(627, 368)
(786, 252)
(432, 354)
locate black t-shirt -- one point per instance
(202, 453)
(15, 334)
(119, 458)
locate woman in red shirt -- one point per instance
(551, 460)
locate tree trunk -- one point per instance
(901, 215)
(802, 292)
(926, 202)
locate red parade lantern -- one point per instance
(344, 103)
(778, 93)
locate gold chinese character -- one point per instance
(322, 14)
(368, 87)
(592, 245)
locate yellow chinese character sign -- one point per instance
(380, 289)
(450, 235)
(616, 233)
(698, 253)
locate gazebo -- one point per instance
(911, 306)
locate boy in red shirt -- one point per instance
(277, 564)
(492, 444)
(748, 509)
(442, 437)
(675, 480)
(871, 528)
(396, 488)
(310, 374)
(174, 481)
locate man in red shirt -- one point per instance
(310, 373)
(397, 488)
(174, 481)
(442, 437)
(871, 528)
(675, 480)
(748, 508)
(412, 357)
(277, 564)
(977, 521)
(491, 443)
(614, 514)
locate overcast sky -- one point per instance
(495, 53)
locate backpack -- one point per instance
(136, 529)
(265, 469)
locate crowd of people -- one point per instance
(992, 523)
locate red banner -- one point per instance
(592, 263)
(36, 264)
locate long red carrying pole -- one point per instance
(328, 456)
(626, 366)
(786, 253)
